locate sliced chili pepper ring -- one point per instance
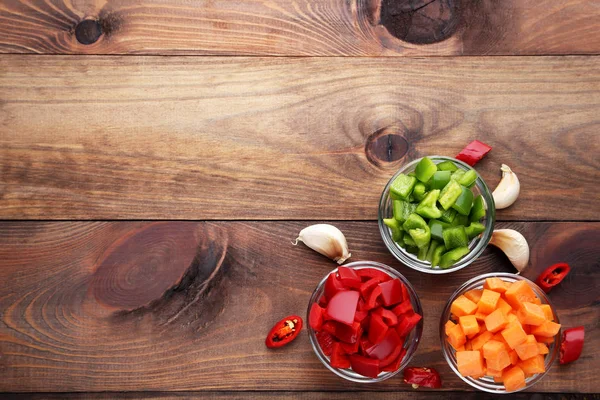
(284, 332)
(552, 276)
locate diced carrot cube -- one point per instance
(514, 357)
(537, 301)
(492, 348)
(499, 338)
(547, 312)
(546, 340)
(527, 329)
(547, 329)
(542, 348)
(514, 379)
(533, 365)
(480, 316)
(488, 301)
(449, 325)
(478, 341)
(461, 348)
(512, 318)
(456, 337)
(498, 379)
(470, 363)
(518, 293)
(528, 349)
(496, 355)
(531, 314)
(493, 373)
(504, 306)
(474, 295)
(463, 306)
(514, 335)
(469, 325)
(496, 284)
(496, 321)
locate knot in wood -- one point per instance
(88, 31)
(385, 147)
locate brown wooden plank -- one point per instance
(170, 306)
(286, 138)
(304, 28)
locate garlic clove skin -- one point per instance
(327, 240)
(508, 189)
(514, 245)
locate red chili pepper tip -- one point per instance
(284, 332)
(552, 276)
(572, 344)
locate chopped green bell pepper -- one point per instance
(414, 221)
(432, 246)
(460, 220)
(408, 240)
(456, 175)
(468, 178)
(437, 255)
(395, 227)
(422, 254)
(478, 209)
(449, 194)
(425, 169)
(447, 166)
(419, 191)
(439, 180)
(412, 250)
(448, 215)
(403, 186)
(437, 229)
(421, 236)
(455, 236)
(474, 229)
(464, 202)
(402, 209)
(412, 173)
(451, 257)
(427, 207)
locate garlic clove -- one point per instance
(514, 245)
(508, 189)
(327, 240)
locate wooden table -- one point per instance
(158, 157)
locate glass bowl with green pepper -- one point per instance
(436, 215)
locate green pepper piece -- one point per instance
(439, 180)
(468, 178)
(478, 209)
(460, 220)
(455, 236)
(412, 173)
(456, 175)
(425, 169)
(437, 229)
(449, 194)
(447, 166)
(412, 249)
(432, 246)
(419, 191)
(422, 237)
(398, 207)
(474, 229)
(453, 256)
(422, 253)
(448, 215)
(408, 240)
(464, 202)
(403, 186)
(427, 207)
(437, 255)
(395, 227)
(414, 221)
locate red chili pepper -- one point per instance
(284, 332)
(572, 344)
(427, 377)
(474, 152)
(552, 276)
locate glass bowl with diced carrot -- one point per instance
(436, 215)
(500, 333)
(364, 321)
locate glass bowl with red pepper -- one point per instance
(364, 321)
(436, 215)
(500, 333)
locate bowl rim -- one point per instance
(488, 385)
(477, 245)
(415, 334)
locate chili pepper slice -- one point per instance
(427, 377)
(572, 344)
(474, 152)
(284, 332)
(552, 276)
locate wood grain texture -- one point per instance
(75, 315)
(301, 28)
(285, 138)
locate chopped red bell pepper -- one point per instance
(394, 365)
(315, 317)
(360, 315)
(474, 152)
(364, 344)
(365, 323)
(388, 316)
(391, 292)
(284, 332)
(407, 324)
(323, 301)
(427, 377)
(373, 297)
(552, 276)
(339, 359)
(349, 278)
(325, 341)
(377, 329)
(572, 344)
(350, 348)
(370, 273)
(348, 334)
(366, 288)
(332, 286)
(342, 306)
(403, 308)
(364, 365)
(387, 346)
(329, 327)
(392, 356)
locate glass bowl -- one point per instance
(486, 383)
(410, 344)
(477, 245)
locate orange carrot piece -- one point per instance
(474, 295)
(547, 329)
(504, 306)
(533, 365)
(496, 284)
(456, 337)
(518, 293)
(514, 379)
(528, 349)
(463, 306)
(514, 335)
(469, 325)
(531, 314)
(542, 348)
(449, 325)
(496, 321)
(470, 363)
(547, 312)
(478, 341)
